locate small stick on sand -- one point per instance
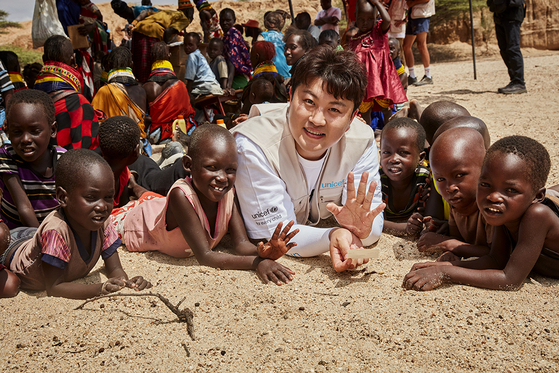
(184, 316)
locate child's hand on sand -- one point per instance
(425, 276)
(112, 285)
(269, 270)
(415, 224)
(435, 225)
(279, 243)
(138, 283)
(430, 241)
(448, 257)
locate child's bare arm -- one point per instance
(134, 188)
(430, 242)
(279, 244)
(496, 270)
(115, 271)
(56, 287)
(385, 25)
(194, 234)
(23, 205)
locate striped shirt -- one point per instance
(41, 191)
(420, 179)
(5, 83)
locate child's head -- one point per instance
(366, 16)
(160, 51)
(261, 90)
(10, 61)
(227, 19)
(437, 113)
(191, 41)
(466, 121)
(326, 4)
(58, 48)
(513, 176)
(401, 148)
(120, 58)
(119, 140)
(273, 21)
(215, 48)
(456, 159)
(30, 73)
(329, 37)
(262, 51)
(85, 189)
(30, 124)
(297, 43)
(303, 21)
(394, 47)
(212, 160)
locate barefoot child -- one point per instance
(27, 164)
(69, 242)
(371, 46)
(199, 211)
(455, 159)
(200, 80)
(402, 175)
(511, 197)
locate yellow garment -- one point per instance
(113, 100)
(155, 24)
(366, 106)
(161, 64)
(445, 203)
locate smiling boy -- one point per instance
(298, 161)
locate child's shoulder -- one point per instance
(546, 211)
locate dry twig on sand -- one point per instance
(185, 316)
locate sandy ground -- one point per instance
(322, 321)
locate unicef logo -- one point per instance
(273, 209)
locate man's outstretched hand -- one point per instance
(356, 215)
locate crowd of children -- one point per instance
(75, 186)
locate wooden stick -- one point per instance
(185, 316)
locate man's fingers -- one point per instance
(350, 186)
(333, 208)
(361, 191)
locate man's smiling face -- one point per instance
(317, 119)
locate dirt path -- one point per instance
(322, 321)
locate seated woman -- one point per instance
(167, 96)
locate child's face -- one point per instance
(214, 169)
(293, 49)
(399, 155)
(394, 48)
(226, 22)
(190, 44)
(456, 176)
(329, 41)
(215, 49)
(29, 132)
(504, 192)
(366, 20)
(89, 203)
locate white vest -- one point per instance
(270, 132)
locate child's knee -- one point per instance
(9, 284)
